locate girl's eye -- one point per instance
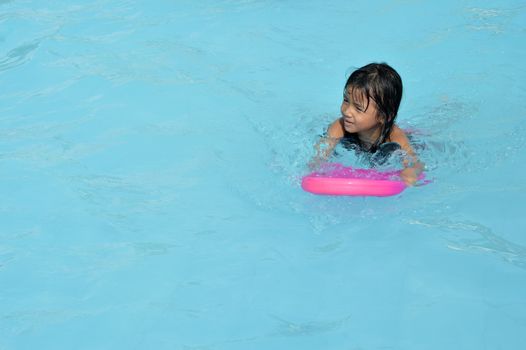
(358, 108)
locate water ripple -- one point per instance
(494, 20)
(285, 328)
(483, 240)
(288, 328)
(18, 56)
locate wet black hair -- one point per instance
(381, 83)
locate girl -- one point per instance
(370, 104)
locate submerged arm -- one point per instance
(327, 143)
(413, 167)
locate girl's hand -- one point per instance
(411, 173)
(316, 163)
(323, 149)
(409, 176)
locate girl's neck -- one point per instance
(369, 137)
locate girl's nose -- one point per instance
(346, 111)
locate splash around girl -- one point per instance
(371, 99)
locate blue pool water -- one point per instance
(150, 157)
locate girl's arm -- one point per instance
(326, 144)
(413, 166)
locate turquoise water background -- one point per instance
(150, 159)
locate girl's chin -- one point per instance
(349, 128)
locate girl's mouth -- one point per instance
(347, 123)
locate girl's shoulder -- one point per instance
(336, 129)
(396, 132)
(399, 136)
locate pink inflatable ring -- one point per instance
(337, 180)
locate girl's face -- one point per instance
(360, 117)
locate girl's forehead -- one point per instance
(356, 94)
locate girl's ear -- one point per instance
(383, 120)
